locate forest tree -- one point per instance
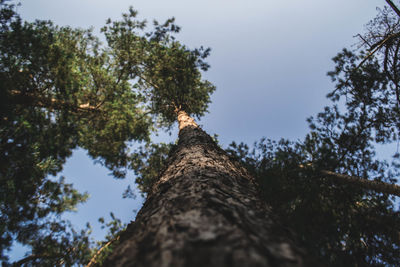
(61, 88)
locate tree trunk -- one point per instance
(205, 210)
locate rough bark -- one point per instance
(205, 210)
(377, 186)
(185, 120)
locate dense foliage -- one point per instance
(341, 223)
(368, 78)
(62, 89)
(167, 72)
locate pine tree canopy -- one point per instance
(368, 77)
(341, 223)
(168, 73)
(62, 89)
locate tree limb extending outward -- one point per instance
(50, 103)
(390, 3)
(377, 46)
(378, 186)
(93, 259)
(34, 257)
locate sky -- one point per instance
(269, 61)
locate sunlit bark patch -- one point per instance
(185, 120)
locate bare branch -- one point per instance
(395, 9)
(34, 257)
(378, 186)
(93, 259)
(376, 46)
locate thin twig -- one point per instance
(364, 40)
(93, 259)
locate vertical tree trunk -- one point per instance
(205, 210)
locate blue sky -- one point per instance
(269, 61)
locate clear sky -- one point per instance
(269, 61)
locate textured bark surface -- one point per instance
(185, 120)
(205, 210)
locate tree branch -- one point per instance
(376, 46)
(378, 186)
(51, 103)
(34, 257)
(390, 3)
(93, 259)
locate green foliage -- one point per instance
(372, 83)
(175, 80)
(341, 224)
(34, 143)
(115, 228)
(53, 243)
(60, 89)
(168, 72)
